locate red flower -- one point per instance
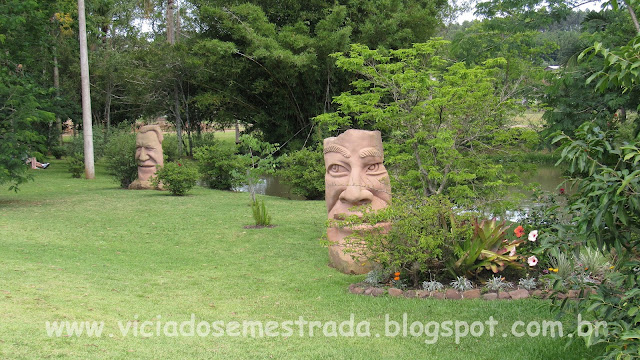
(519, 231)
(561, 191)
(179, 164)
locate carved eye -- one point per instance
(337, 170)
(374, 167)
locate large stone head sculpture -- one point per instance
(148, 155)
(355, 176)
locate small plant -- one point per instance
(592, 261)
(377, 276)
(461, 284)
(398, 284)
(432, 285)
(562, 265)
(528, 283)
(76, 165)
(497, 283)
(260, 215)
(177, 177)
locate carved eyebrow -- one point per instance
(373, 152)
(337, 149)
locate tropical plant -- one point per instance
(485, 249)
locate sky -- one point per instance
(468, 16)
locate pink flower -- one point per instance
(513, 251)
(532, 260)
(533, 236)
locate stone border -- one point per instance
(452, 294)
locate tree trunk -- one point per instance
(176, 103)
(170, 23)
(56, 85)
(87, 130)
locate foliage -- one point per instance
(440, 119)
(377, 276)
(76, 165)
(419, 229)
(527, 283)
(608, 184)
(432, 285)
(268, 63)
(497, 283)
(21, 112)
(258, 159)
(120, 158)
(461, 284)
(605, 211)
(177, 177)
(220, 166)
(303, 171)
(486, 249)
(260, 214)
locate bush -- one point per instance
(219, 165)
(76, 165)
(120, 158)
(170, 147)
(421, 229)
(303, 171)
(177, 177)
(58, 151)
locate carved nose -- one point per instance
(356, 195)
(143, 155)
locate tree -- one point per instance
(442, 120)
(89, 168)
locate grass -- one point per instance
(79, 250)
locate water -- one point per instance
(271, 185)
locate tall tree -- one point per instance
(87, 128)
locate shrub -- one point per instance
(58, 151)
(177, 177)
(219, 165)
(170, 147)
(120, 153)
(260, 215)
(420, 229)
(76, 165)
(303, 171)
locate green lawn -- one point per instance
(78, 250)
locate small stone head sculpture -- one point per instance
(148, 155)
(355, 176)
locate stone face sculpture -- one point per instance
(355, 175)
(148, 155)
